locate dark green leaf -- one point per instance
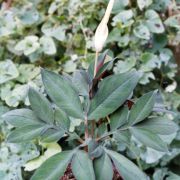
(81, 82)
(119, 118)
(62, 93)
(25, 133)
(112, 93)
(159, 126)
(52, 135)
(103, 168)
(123, 136)
(41, 106)
(149, 139)
(61, 119)
(82, 166)
(21, 117)
(54, 167)
(142, 108)
(127, 169)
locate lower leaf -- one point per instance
(82, 166)
(149, 139)
(26, 133)
(103, 168)
(127, 169)
(52, 135)
(54, 167)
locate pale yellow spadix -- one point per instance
(101, 33)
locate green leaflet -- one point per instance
(119, 118)
(25, 133)
(126, 168)
(61, 119)
(82, 166)
(112, 93)
(149, 139)
(62, 93)
(159, 125)
(41, 106)
(54, 167)
(103, 168)
(142, 108)
(21, 117)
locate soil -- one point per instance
(68, 175)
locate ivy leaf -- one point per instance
(124, 66)
(62, 93)
(142, 108)
(125, 167)
(173, 21)
(124, 40)
(54, 167)
(143, 3)
(21, 117)
(154, 22)
(124, 18)
(26, 133)
(28, 45)
(79, 161)
(52, 30)
(48, 45)
(53, 7)
(41, 106)
(142, 32)
(119, 5)
(7, 23)
(27, 72)
(149, 139)
(149, 62)
(159, 126)
(28, 15)
(146, 78)
(8, 71)
(165, 55)
(112, 93)
(103, 167)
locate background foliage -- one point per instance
(58, 35)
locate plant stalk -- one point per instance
(86, 128)
(92, 128)
(96, 62)
(95, 68)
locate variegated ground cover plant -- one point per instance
(108, 112)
